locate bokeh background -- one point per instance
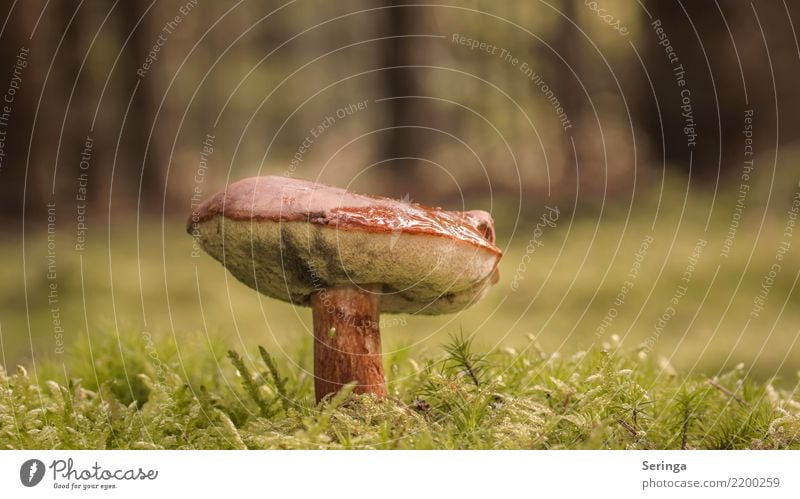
(660, 141)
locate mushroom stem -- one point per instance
(347, 340)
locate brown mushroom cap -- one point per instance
(289, 238)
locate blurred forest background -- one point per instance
(630, 117)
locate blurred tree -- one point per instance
(567, 43)
(732, 54)
(691, 66)
(402, 143)
(73, 92)
(17, 124)
(146, 144)
(565, 57)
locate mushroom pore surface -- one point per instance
(290, 238)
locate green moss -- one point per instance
(462, 400)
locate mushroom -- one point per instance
(349, 257)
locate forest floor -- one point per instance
(609, 398)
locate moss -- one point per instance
(462, 400)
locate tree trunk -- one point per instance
(405, 112)
(16, 126)
(147, 155)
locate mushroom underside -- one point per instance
(290, 261)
